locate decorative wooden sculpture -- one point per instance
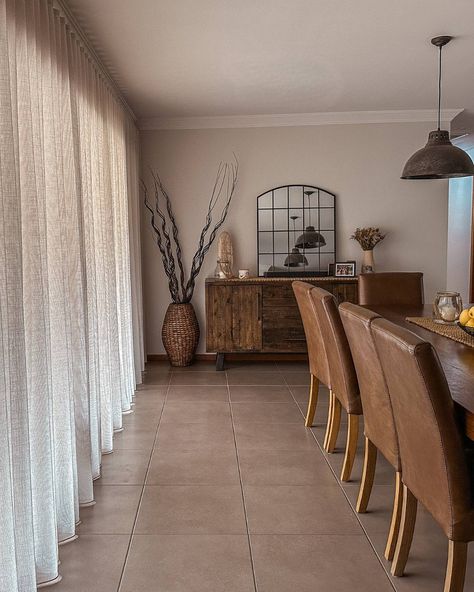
(225, 255)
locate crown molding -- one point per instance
(296, 119)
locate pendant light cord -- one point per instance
(439, 89)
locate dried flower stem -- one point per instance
(368, 238)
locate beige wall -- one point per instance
(361, 164)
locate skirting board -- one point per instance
(211, 358)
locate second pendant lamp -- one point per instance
(439, 159)
(310, 239)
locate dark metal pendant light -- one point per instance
(310, 239)
(439, 159)
(295, 258)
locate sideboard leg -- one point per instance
(220, 362)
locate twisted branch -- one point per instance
(225, 182)
(169, 269)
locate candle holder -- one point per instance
(447, 307)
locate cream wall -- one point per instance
(361, 164)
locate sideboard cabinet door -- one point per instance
(234, 318)
(247, 318)
(219, 318)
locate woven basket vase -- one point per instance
(180, 334)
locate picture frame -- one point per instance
(345, 269)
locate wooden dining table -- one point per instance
(456, 358)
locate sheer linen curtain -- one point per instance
(70, 324)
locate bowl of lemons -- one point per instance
(466, 321)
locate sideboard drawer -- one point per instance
(283, 329)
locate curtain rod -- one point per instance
(74, 24)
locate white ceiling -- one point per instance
(188, 58)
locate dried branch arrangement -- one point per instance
(368, 237)
(165, 228)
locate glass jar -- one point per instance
(447, 307)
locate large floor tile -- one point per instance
(187, 436)
(301, 394)
(298, 509)
(143, 418)
(198, 378)
(195, 412)
(124, 467)
(155, 378)
(293, 366)
(170, 509)
(135, 438)
(253, 377)
(262, 394)
(92, 563)
(201, 466)
(266, 413)
(114, 511)
(276, 436)
(198, 563)
(297, 378)
(317, 564)
(198, 393)
(284, 467)
(146, 392)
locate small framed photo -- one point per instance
(345, 269)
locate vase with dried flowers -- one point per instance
(180, 331)
(368, 238)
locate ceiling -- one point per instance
(188, 58)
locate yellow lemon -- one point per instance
(471, 312)
(464, 317)
(470, 323)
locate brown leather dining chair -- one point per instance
(434, 465)
(318, 365)
(379, 425)
(391, 288)
(342, 376)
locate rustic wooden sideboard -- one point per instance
(261, 314)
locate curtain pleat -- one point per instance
(70, 299)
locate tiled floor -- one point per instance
(215, 485)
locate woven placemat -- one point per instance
(451, 331)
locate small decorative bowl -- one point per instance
(468, 330)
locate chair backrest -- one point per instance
(434, 466)
(379, 424)
(318, 364)
(342, 373)
(384, 289)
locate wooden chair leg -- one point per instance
(396, 518)
(335, 425)
(368, 473)
(328, 425)
(405, 537)
(456, 569)
(313, 401)
(351, 446)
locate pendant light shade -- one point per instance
(310, 239)
(439, 159)
(295, 259)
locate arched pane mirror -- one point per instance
(296, 231)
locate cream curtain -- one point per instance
(70, 323)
